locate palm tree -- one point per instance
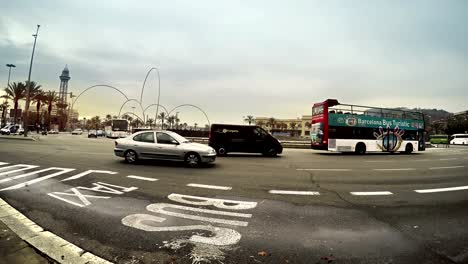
(96, 122)
(162, 116)
(293, 125)
(15, 92)
(171, 120)
(185, 125)
(149, 122)
(4, 107)
(250, 119)
(51, 98)
(38, 97)
(271, 122)
(260, 123)
(195, 126)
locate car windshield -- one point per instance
(178, 137)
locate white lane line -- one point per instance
(323, 169)
(21, 185)
(449, 159)
(22, 166)
(142, 178)
(293, 192)
(379, 161)
(3, 163)
(442, 168)
(443, 189)
(216, 187)
(372, 193)
(421, 160)
(400, 169)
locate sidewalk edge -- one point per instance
(45, 242)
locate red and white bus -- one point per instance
(361, 129)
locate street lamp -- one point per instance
(9, 72)
(28, 95)
(133, 108)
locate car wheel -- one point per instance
(222, 151)
(408, 149)
(192, 159)
(131, 157)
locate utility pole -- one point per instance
(28, 95)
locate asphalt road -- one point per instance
(381, 208)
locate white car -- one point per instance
(459, 139)
(77, 131)
(163, 145)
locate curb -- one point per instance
(19, 138)
(45, 242)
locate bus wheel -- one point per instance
(408, 148)
(360, 148)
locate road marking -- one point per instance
(221, 236)
(372, 193)
(442, 189)
(400, 169)
(441, 168)
(204, 201)
(216, 187)
(421, 160)
(293, 192)
(80, 196)
(323, 169)
(379, 161)
(77, 176)
(22, 166)
(159, 208)
(449, 159)
(141, 178)
(23, 184)
(3, 163)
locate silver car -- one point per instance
(163, 145)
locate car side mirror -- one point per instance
(174, 142)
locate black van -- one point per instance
(238, 138)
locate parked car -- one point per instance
(459, 139)
(10, 129)
(77, 131)
(53, 131)
(163, 145)
(92, 134)
(100, 133)
(238, 138)
(20, 131)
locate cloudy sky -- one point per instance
(235, 58)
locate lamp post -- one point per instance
(28, 95)
(9, 72)
(70, 110)
(133, 113)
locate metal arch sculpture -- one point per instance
(131, 100)
(191, 105)
(98, 85)
(159, 89)
(144, 111)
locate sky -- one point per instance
(237, 58)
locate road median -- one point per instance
(18, 137)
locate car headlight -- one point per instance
(212, 151)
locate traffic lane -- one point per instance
(442, 228)
(288, 232)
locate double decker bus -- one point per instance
(353, 128)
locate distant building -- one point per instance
(300, 126)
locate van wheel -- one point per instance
(408, 148)
(271, 152)
(222, 151)
(360, 148)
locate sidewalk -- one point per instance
(13, 250)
